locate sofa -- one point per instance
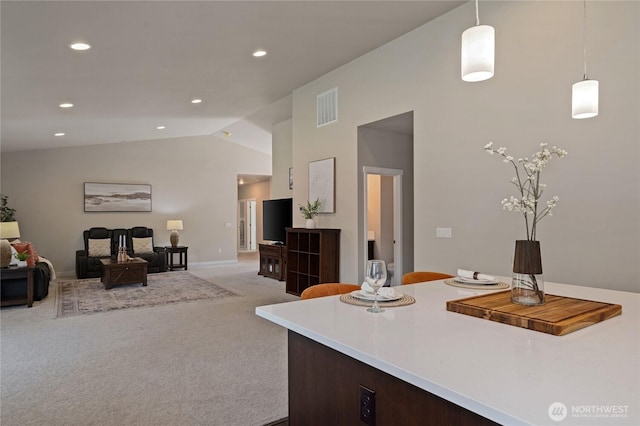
(12, 288)
(100, 243)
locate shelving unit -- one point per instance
(313, 257)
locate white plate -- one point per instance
(359, 294)
(472, 281)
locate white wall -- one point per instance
(193, 179)
(593, 239)
(281, 148)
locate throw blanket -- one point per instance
(48, 262)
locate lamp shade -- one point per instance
(9, 230)
(174, 225)
(585, 99)
(478, 53)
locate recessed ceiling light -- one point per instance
(161, 127)
(58, 134)
(227, 134)
(259, 53)
(196, 101)
(66, 105)
(80, 46)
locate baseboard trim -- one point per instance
(213, 262)
(281, 422)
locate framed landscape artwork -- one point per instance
(322, 184)
(116, 197)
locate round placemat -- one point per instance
(403, 301)
(497, 286)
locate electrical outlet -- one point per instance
(367, 406)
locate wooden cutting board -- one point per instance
(558, 316)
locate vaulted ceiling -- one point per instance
(149, 59)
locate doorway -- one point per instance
(382, 218)
(247, 225)
(385, 159)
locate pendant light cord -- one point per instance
(478, 16)
(584, 39)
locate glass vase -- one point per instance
(527, 285)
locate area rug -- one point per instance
(88, 296)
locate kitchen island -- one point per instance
(457, 368)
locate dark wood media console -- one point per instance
(273, 261)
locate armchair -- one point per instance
(97, 245)
(140, 244)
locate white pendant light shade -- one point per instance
(584, 94)
(478, 53)
(584, 99)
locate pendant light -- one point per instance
(478, 51)
(584, 94)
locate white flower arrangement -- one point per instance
(529, 187)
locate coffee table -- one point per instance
(129, 272)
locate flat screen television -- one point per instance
(277, 215)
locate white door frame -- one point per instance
(397, 216)
(251, 205)
(250, 224)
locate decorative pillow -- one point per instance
(100, 247)
(28, 247)
(143, 245)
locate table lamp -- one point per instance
(8, 230)
(174, 226)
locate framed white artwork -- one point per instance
(322, 184)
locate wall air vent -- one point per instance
(328, 107)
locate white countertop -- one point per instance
(508, 374)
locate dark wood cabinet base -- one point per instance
(272, 261)
(324, 389)
(15, 276)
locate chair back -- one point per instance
(94, 234)
(422, 276)
(327, 289)
(139, 232)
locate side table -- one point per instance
(10, 276)
(181, 250)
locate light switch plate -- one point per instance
(443, 232)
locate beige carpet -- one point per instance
(88, 296)
(209, 362)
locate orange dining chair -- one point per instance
(422, 276)
(328, 289)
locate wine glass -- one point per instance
(375, 276)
